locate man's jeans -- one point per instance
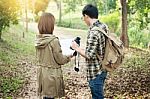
(96, 85)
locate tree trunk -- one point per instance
(26, 13)
(60, 12)
(0, 35)
(124, 35)
(57, 3)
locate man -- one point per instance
(95, 45)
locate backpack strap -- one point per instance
(111, 36)
(101, 30)
(99, 58)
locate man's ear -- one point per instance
(86, 16)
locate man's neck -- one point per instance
(92, 21)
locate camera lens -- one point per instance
(77, 40)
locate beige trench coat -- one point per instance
(50, 59)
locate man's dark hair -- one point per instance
(90, 10)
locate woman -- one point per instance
(50, 59)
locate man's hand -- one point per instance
(74, 45)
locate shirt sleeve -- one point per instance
(92, 42)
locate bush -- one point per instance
(8, 13)
(75, 23)
(112, 20)
(37, 18)
(137, 36)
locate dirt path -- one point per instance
(76, 86)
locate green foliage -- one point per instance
(4, 54)
(140, 9)
(10, 81)
(112, 20)
(70, 6)
(138, 5)
(77, 23)
(138, 37)
(40, 5)
(30, 5)
(111, 4)
(10, 85)
(17, 42)
(94, 2)
(12, 49)
(37, 18)
(104, 6)
(8, 13)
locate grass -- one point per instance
(71, 19)
(12, 48)
(24, 45)
(75, 23)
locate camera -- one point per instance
(76, 68)
(77, 40)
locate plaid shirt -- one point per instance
(95, 45)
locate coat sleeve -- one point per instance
(57, 52)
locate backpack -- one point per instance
(114, 51)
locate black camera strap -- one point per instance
(76, 54)
(77, 60)
(76, 68)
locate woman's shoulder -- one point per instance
(55, 41)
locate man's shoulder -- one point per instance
(94, 32)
